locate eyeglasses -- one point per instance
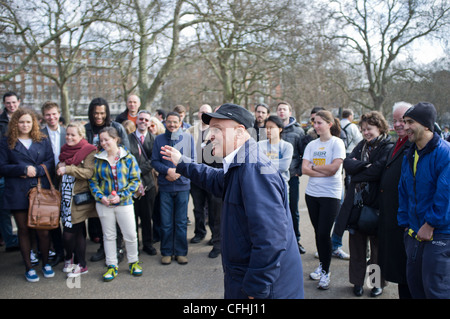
(144, 119)
(152, 125)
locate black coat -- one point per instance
(391, 249)
(362, 171)
(144, 160)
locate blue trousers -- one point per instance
(173, 208)
(428, 267)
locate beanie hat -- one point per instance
(423, 113)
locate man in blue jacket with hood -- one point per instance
(260, 256)
(424, 205)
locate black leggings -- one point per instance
(323, 212)
(75, 243)
(25, 233)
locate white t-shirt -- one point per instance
(323, 153)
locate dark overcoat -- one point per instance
(12, 167)
(391, 249)
(362, 171)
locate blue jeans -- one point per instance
(173, 207)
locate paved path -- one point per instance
(201, 278)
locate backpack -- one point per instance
(344, 136)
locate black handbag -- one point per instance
(83, 198)
(368, 220)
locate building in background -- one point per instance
(99, 77)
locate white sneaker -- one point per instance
(68, 265)
(324, 282)
(77, 271)
(339, 253)
(34, 260)
(317, 273)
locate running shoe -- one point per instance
(111, 273)
(317, 273)
(68, 265)
(324, 282)
(135, 269)
(339, 253)
(77, 271)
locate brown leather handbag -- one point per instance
(44, 205)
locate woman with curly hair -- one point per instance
(364, 165)
(22, 151)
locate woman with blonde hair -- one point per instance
(23, 151)
(156, 127)
(76, 167)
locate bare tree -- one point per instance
(375, 32)
(150, 30)
(239, 40)
(47, 25)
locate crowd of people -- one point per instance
(140, 170)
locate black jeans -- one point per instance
(323, 212)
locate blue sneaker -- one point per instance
(111, 273)
(31, 275)
(135, 269)
(48, 271)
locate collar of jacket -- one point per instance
(292, 122)
(103, 155)
(247, 154)
(431, 145)
(174, 137)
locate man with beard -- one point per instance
(262, 112)
(424, 205)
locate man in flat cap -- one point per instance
(259, 250)
(424, 205)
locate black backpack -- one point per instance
(344, 136)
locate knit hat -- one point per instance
(424, 113)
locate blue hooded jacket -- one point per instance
(260, 255)
(426, 196)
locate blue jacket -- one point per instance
(12, 167)
(183, 142)
(426, 196)
(260, 254)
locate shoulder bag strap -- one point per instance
(48, 177)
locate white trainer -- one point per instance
(317, 273)
(324, 282)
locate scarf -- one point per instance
(362, 187)
(400, 143)
(74, 155)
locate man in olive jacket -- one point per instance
(260, 256)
